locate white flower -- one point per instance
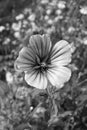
(25, 23)
(83, 10)
(19, 17)
(16, 26)
(71, 29)
(58, 12)
(7, 41)
(85, 41)
(9, 77)
(50, 21)
(32, 17)
(61, 4)
(44, 63)
(2, 28)
(48, 11)
(50, 30)
(17, 35)
(46, 17)
(44, 1)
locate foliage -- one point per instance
(22, 106)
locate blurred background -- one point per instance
(61, 19)
(20, 19)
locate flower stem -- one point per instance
(49, 91)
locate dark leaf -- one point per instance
(23, 126)
(4, 89)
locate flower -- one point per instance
(20, 17)
(85, 41)
(16, 26)
(61, 4)
(9, 77)
(2, 28)
(32, 17)
(44, 2)
(6, 41)
(83, 10)
(17, 35)
(44, 63)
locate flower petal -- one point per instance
(41, 45)
(25, 59)
(47, 43)
(58, 76)
(36, 80)
(61, 53)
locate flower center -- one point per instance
(43, 65)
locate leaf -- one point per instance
(36, 92)
(83, 83)
(23, 126)
(53, 120)
(39, 112)
(4, 89)
(81, 99)
(57, 120)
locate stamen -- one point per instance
(43, 64)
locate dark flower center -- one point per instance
(42, 64)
